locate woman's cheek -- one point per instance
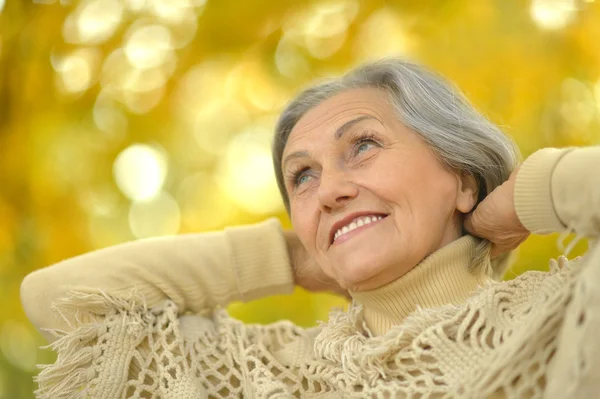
(302, 226)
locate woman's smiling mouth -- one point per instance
(355, 226)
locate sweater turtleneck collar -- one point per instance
(439, 279)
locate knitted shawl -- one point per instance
(534, 336)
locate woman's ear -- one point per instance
(467, 192)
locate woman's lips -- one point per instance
(349, 235)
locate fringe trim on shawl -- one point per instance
(365, 358)
(75, 371)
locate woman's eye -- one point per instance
(303, 178)
(364, 144)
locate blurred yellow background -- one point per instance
(125, 119)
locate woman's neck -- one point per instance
(441, 278)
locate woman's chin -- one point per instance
(358, 274)
(367, 270)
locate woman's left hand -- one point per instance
(307, 273)
(496, 220)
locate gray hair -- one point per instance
(462, 138)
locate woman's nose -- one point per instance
(336, 189)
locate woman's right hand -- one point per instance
(307, 273)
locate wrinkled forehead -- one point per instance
(322, 121)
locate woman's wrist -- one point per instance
(533, 191)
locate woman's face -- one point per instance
(368, 198)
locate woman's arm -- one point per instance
(196, 271)
(560, 188)
(552, 191)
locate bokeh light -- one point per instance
(259, 88)
(382, 35)
(578, 106)
(93, 22)
(109, 117)
(139, 89)
(204, 84)
(148, 46)
(136, 6)
(140, 171)
(184, 32)
(206, 102)
(174, 11)
(553, 14)
(216, 123)
(77, 71)
(246, 172)
(321, 28)
(290, 60)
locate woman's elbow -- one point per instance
(37, 297)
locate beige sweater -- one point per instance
(129, 321)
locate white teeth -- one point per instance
(358, 222)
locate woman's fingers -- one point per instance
(496, 220)
(471, 224)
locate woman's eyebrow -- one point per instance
(293, 155)
(346, 126)
(338, 135)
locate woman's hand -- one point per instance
(496, 220)
(307, 274)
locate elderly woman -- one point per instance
(380, 171)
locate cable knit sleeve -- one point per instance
(196, 271)
(558, 189)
